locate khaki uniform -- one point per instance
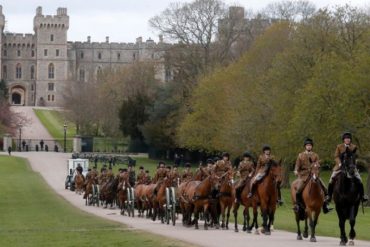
(246, 169)
(140, 179)
(303, 167)
(222, 167)
(187, 176)
(261, 166)
(339, 151)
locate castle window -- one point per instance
(45, 52)
(152, 55)
(134, 56)
(32, 88)
(51, 86)
(81, 55)
(18, 71)
(51, 37)
(118, 56)
(18, 53)
(5, 53)
(49, 97)
(32, 53)
(99, 55)
(5, 74)
(51, 71)
(82, 75)
(32, 72)
(52, 97)
(57, 52)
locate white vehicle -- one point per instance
(72, 164)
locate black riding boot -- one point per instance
(299, 208)
(330, 193)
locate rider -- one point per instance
(224, 165)
(160, 175)
(202, 172)
(79, 168)
(263, 160)
(302, 169)
(131, 175)
(340, 150)
(141, 176)
(109, 175)
(245, 170)
(175, 175)
(147, 178)
(187, 174)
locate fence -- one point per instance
(51, 145)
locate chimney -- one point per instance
(107, 39)
(39, 10)
(139, 40)
(88, 39)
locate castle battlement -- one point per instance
(60, 20)
(18, 38)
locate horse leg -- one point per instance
(313, 221)
(196, 217)
(299, 236)
(305, 232)
(270, 221)
(223, 215)
(343, 237)
(228, 217)
(264, 221)
(247, 217)
(235, 212)
(206, 216)
(352, 222)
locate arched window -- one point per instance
(18, 71)
(99, 55)
(82, 75)
(51, 71)
(5, 73)
(81, 55)
(32, 53)
(32, 72)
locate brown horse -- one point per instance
(79, 182)
(267, 195)
(159, 206)
(226, 197)
(141, 201)
(247, 203)
(197, 194)
(122, 187)
(313, 199)
(108, 192)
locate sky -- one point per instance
(121, 20)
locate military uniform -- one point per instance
(222, 167)
(132, 178)
(159, 178)
(187, 176)
(140, 179)
(245, 171)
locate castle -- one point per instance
(38, 67)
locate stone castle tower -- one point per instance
(39, 67)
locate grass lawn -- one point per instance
(31, 214)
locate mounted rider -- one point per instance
(109, 175)
(175, 176)
(303, 166)
(201, 173)
(147, 178)
(160, 175)
(224, 165)
(245, 171)
(131, 175)
(187, 175)
(339, 153)
(210, 165)
(141, 176)
(263, 160)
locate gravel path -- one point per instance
(53, 168)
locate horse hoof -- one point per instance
(272, 228)
(236, 230)
(244, 228)
(305, 234)
(257, 232)
(249, 231)
(313, 239)
(196, 227)
(342, 243)
(205, 228)
(299, 237)
(267, 233)
(351, 243)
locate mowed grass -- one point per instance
(31, 214)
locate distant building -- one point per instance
(38, 67)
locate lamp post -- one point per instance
(20, 137)
(65, 136)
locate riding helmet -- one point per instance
(187, 165)
(347, 135)
(266, 147)
(247, 154)
(210, 161)
(307, 141)
(225, 154)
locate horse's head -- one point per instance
(275, 169)
(215, 181)
(349, 162)
(315, 170)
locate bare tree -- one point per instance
(290, 10)
(192, 24)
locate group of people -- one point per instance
(248, 172)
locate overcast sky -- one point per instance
(121, 20)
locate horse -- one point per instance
(109, 192)
(141, 201)
(313, 199)
(346, 195)
(79, 182)
(122, 187)
(267, 195)
(247, 203)
(161, 199)
(197, 194)
(226, 198)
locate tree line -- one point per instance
(290, 72)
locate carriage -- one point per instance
(71, 171)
